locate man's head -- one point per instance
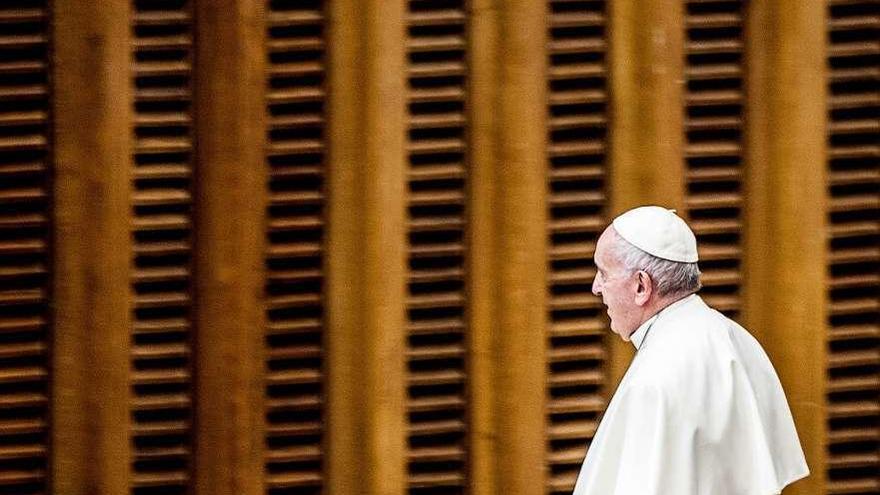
(635, 283)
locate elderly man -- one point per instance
(700, 410)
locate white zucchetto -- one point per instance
(659, 232)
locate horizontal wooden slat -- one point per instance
(436, 454)
(574, 250)
(435, 17)
(22, 399)
(578, 353)
(294, 480)
(576, 19)
(294, 428)
(714, 46)
(714, 97)
(167, 478)
(23, 92)
(578, 96)
(162, 42)
(713, 200)
(291, 18)
(854, 409)
(577, 45)
(714, 122)
(436, 43)
(299, 43)
(161, 17)
(23, 375)
(715, 226)
(563, 149)
(294, 404)
(577, 404)
(865, 21)
(572, 429)
(706, 21)
(10, 477)
(853, 486)
(850, 433)
(855, 74)
(576, 70)
(844, 177)
(22, 15)
(861, 383)
(854, 48)
(303, 453)
(713, 71)
(571, 378)
(436, 403)
(160, 428)
(585, 326)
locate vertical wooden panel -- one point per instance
(294, 258)
(646, 72)
(508, 241)
(647, 155)
(437, 178)
(162, 230)
(366, 249)
(853, 168)
(577, 151)
(784, 299)
(230, 211)
(92, 113)
(713, 152)
(482, 431)
(25, 264)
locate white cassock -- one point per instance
(700, 411)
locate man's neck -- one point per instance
(655, 306)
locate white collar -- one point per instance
(638, 337)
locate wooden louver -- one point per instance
(162, 234)
(295, 256)
(24, 246)
(439, 178)
(437, 174)
(854, 259)
(578, 118)
(713, 153)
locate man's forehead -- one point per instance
(600, 259)
(600, 254)
(604, 242)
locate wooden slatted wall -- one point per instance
(713, 148)
(24, 246)
(162, 233)
(854, 264)
(437, 175)
(295, 247)
(438, 178)
(578, 114)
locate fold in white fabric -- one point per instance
(700, 411)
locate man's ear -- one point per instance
(644, 288)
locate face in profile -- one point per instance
(617, 286)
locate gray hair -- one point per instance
(671, 278)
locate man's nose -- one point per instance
(597, 290)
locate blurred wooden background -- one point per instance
(344, 246)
